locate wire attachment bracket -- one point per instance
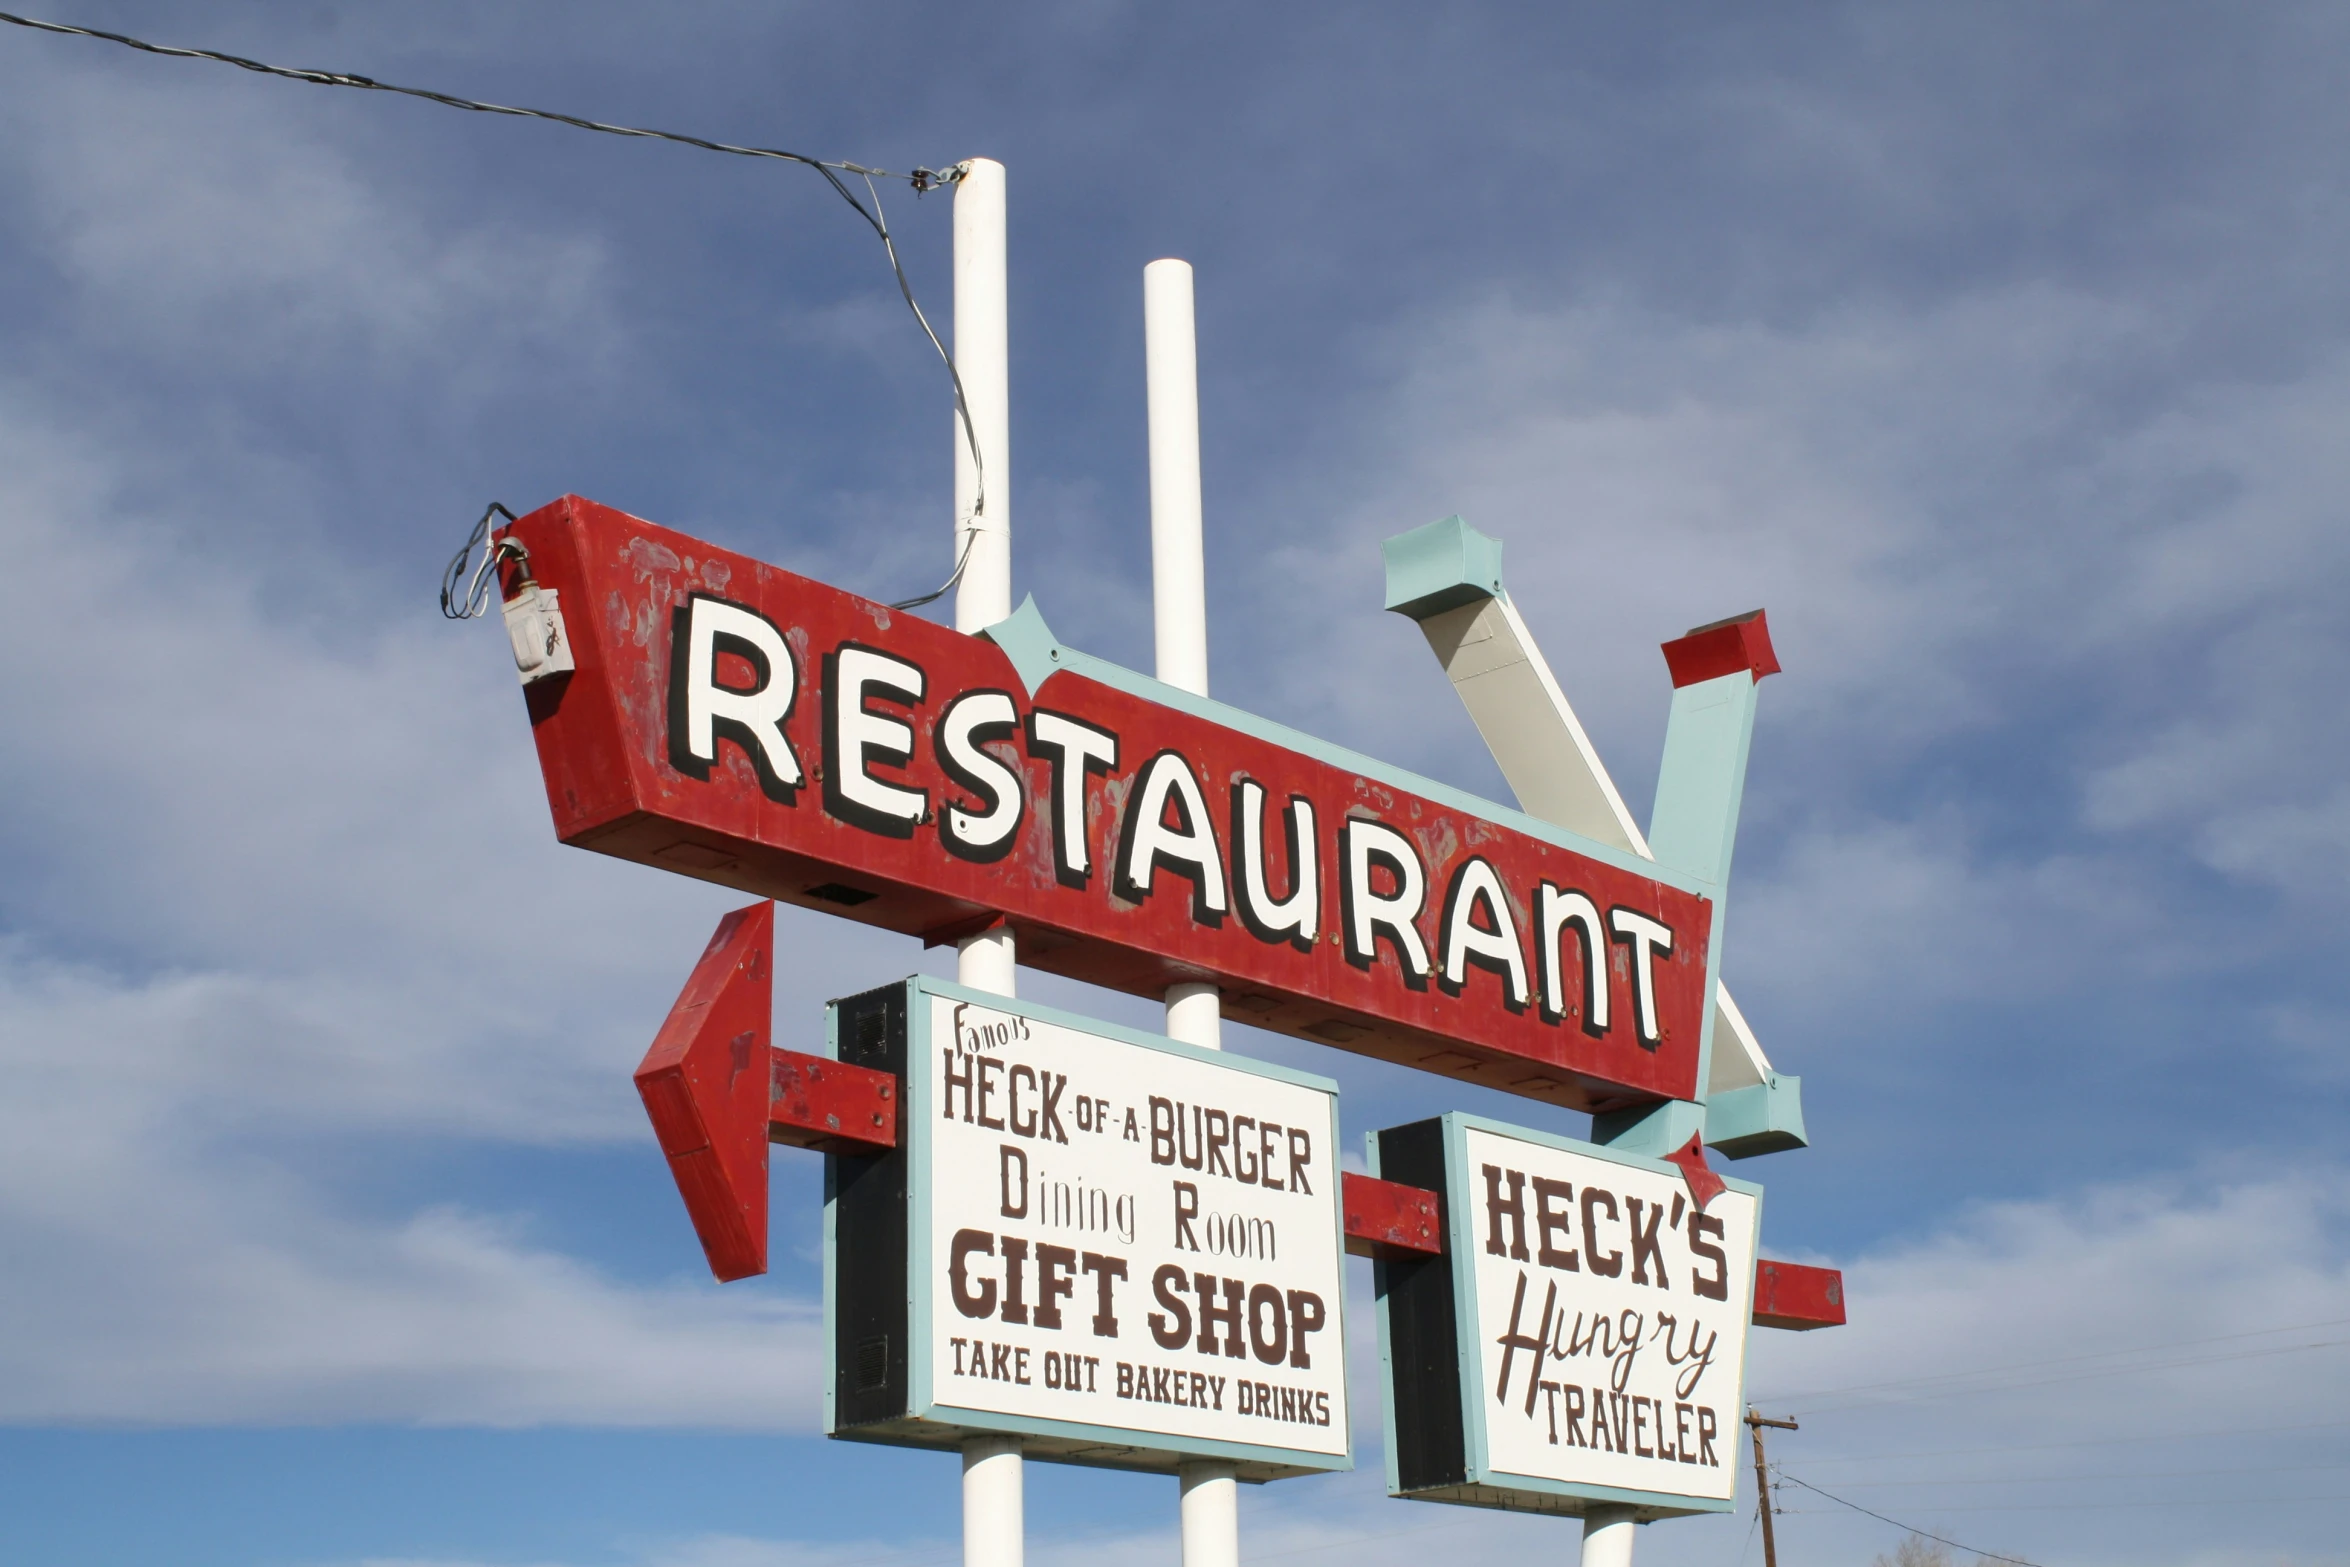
(534, 619)
(473, 600)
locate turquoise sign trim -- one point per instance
(1693, 826)
(1439, 567)
(1760, 1118)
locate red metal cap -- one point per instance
(1723, 648)
(1791, 1295)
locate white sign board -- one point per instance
(1126, 1249)
(1596, 1325)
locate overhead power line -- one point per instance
(2061, 1360)
(920, 179)
(2076, 1376)
(2135, 1504)
(923, 180)
(1940, 1482)
(1788, 1479)
(2099, 1441)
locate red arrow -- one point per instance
(706, 1085)
(718, 1093)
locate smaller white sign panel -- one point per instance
(1118, 1242)
(1611, 1319)
(1600, 1318)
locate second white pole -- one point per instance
(1179, 589)
(1179, 592)
(994, 1522)
(1179, 609)
(1607, 1537)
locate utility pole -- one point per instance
(1762, 1478)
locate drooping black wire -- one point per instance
(1788, 1479)
(923, 180)
(880, 222)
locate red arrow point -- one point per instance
(708, 1109)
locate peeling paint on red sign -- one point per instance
(903, 774)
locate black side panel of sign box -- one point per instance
(1424, 1355)
(870, 1380)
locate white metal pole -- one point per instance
(1178, 574)
(1179, 608)
(1179, 595)
(994, 1530)
(1607, 1537)
(1179, 598)
(983, 490)
(992, 1503)
(1211, 1515)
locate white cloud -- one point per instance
(174, 1258)
(2107, 1354)
(2102, 1377)
(2060, 666)
(198, 218)
(281, 883)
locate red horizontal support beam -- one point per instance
(830, 1106)
(1387, 1219)
(1790, 1295)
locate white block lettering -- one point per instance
(702, 712)
(1649, 940)
(1076, 749)
(855, 737)
(986, 833)
(1365, 911)
(1296, 919)
(1493, 945)
(1148, 844)
(1557, 908)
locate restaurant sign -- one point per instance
(733, 721)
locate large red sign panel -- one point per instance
(738, 723)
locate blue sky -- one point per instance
(2003, 352)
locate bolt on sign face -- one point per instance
(1582, 1342)
(734, 722)
(1123, 1248)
